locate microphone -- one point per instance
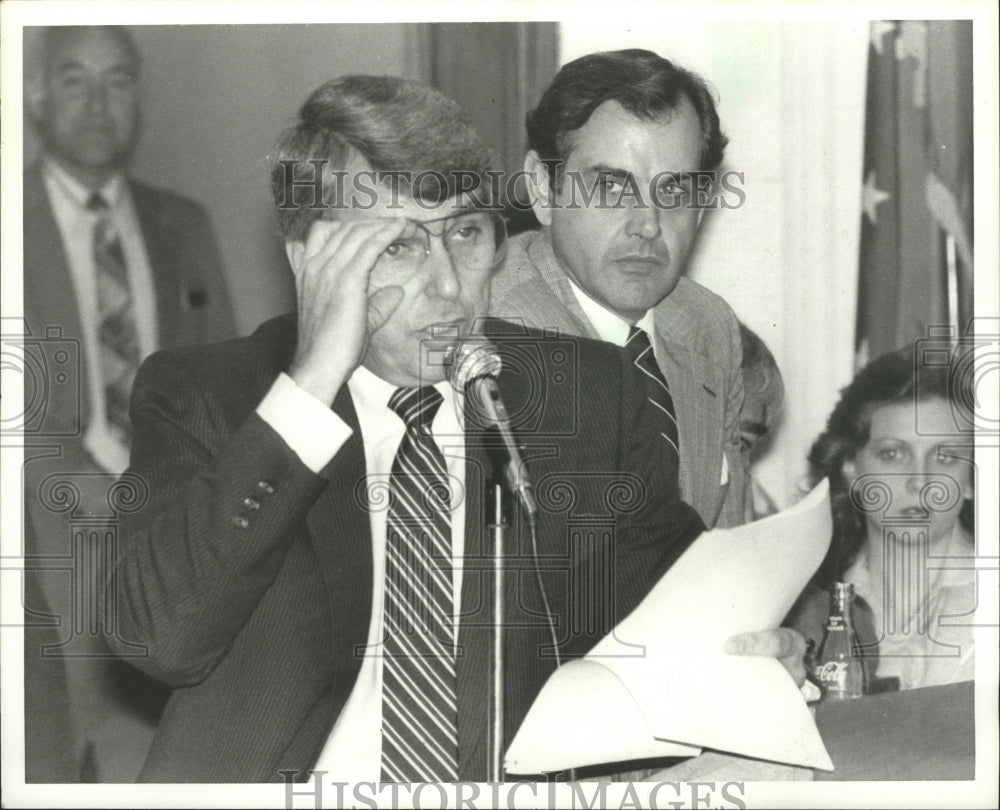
(473, 368)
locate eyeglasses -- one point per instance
(475, 242)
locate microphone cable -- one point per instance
(549, 617)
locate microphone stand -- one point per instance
(473, 367)
(499, 505)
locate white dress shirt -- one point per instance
(353, 751)
(610, 327)
(76, 227)
(934, 642)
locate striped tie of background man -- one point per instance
(641, 352)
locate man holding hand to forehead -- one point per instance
(310, 574)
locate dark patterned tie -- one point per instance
(119, 342)
(641, 352)
(419, 708)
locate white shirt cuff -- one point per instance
(308, 426)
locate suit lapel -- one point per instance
(48, 286)
(49, 292)
(162, 241)
(542, 256)
(698, 393)
(341, 535)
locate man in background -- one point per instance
(763, 408)
(113, 270)
(615, 148)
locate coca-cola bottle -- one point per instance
(839, 669)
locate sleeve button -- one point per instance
(241, 522)
(266, 487)
(251, 503)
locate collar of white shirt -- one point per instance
(371, 396)
(77, 193)
(610, 327)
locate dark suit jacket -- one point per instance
(698, 348)
(191, 301)
(192, 306)
(254, 614)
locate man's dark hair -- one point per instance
(645, 84)
(396, 125)
(761, 377)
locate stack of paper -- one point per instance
(679, 691)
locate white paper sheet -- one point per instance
(680, 691)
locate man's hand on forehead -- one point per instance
(336, 313)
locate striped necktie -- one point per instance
(117, 335)
(419, 708)
(641, 352)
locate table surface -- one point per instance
(918, 734)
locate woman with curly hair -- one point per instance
(897, 453)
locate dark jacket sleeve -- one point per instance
(662, 526)
(627, 523)
(216, 502)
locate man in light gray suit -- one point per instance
(619, 146)
(90, 717)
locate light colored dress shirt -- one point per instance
(610, 327)
(937, 647)
(353, 750)
(76, 227)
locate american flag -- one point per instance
(915, 268)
